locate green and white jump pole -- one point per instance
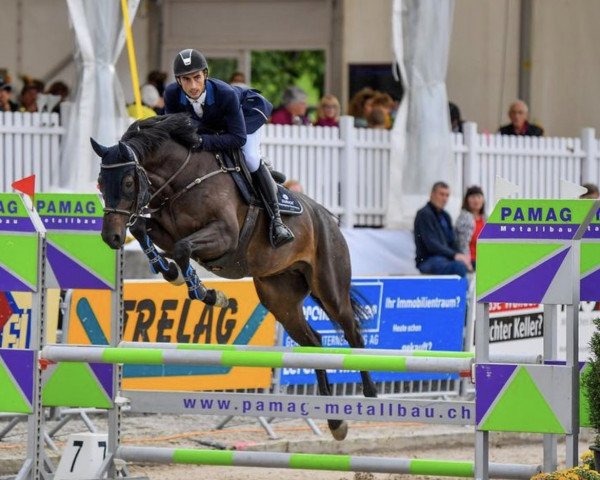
(499, 358)
(153, 356)
(341, 463)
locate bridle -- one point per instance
(141, 207)
(143, 197)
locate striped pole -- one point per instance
(150, 356)
(341, 463)
(494, 358)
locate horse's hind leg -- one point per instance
(333, 291)
(283, 296)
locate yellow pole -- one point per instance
(135, 82)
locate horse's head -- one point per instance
(124, 186)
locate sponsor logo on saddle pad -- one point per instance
(287, 202)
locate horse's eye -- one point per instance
(129, 184)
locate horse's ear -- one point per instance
(99, 149)
(124, 150)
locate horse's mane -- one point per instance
(145, 136)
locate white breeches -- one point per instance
(251, 150)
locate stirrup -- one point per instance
(284, 236)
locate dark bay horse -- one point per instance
(186, 202)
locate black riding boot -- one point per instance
(279, 232)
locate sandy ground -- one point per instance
(380, 439)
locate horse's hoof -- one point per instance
(174, 275)
(340, 432)
(221, 299)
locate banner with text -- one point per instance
(407, 313)
(156, 311)
(15, 318)
(518, 328)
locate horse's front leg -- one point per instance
(209, 242)
(158, 262)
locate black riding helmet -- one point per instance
(188, 61)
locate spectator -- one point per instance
(592, 191)
(361, 105)
(294, 186)
(293, 109)
(152, 92)
(328, 113)
(437, 251)
(470, 222)
(238, 79)
(6, 104)
(152, 100)
(456, 121)
(519, 125)
(61, 90)
(377, 119)
(385, 102)
(28, 101)
(158, 79)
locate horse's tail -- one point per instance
(360, 306)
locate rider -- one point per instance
(228, 118)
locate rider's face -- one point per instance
(193, 83)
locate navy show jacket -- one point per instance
(228, 113)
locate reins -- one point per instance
(144, 197)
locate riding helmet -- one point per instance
(188, 61)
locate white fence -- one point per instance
(29, 144)
(346, 169)
(536, 164)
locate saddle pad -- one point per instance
(288, 203)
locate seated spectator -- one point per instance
(28, 100)
(58, 89)
(293, 108)
(592, 191)
(360, 106)
(238, 79)
(328, 112)
(294, 186)
(152, 91)
(377, 119)
(519, 125)
(437, 251)
(385, 102)
(6, 103)
(470, 222)
(456, 121)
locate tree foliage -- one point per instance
(591, 380)
(274, 71)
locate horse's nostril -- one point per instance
(116, 239)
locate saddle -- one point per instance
(288, 203)
(234, 264)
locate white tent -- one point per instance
(422, 151)
(99, 107)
